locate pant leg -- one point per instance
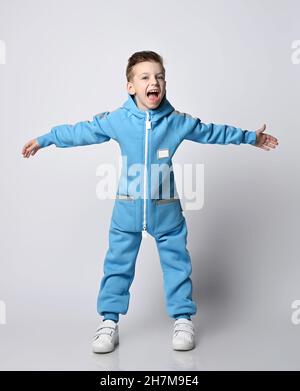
(119, 270)
(176, 266)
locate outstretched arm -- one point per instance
(218, 134)
(191, 128)
(96, 131)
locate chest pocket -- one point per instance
(124, 212)
(168, 214)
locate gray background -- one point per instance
(226, 62)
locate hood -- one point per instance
(162, 110)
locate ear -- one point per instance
(130, 88)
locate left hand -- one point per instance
(265, 141)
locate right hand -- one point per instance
(30, 148)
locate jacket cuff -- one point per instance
(45, 140)
(249, 137)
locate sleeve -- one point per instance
(195, 130)
(97, 131)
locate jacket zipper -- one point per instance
(148, 127)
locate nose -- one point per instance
(154, 81)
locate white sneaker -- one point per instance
(106, 337)
(183, 335)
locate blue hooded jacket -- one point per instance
(147, 139)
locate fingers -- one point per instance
(29, 151)
(26, 152)
(270, 141)
(263, 146)
(30, 148)
(26, 146)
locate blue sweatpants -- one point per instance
(119, 271)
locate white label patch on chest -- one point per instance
(161, 153)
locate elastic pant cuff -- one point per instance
(110, 315)
(186, 316)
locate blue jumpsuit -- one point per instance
(146, 138)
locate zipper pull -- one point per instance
(144, 233)
(148, 122)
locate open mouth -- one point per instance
(153, 96)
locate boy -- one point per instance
(148, 130)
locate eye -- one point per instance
(146, 77)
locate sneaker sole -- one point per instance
(181, 347)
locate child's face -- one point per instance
(147, 76)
